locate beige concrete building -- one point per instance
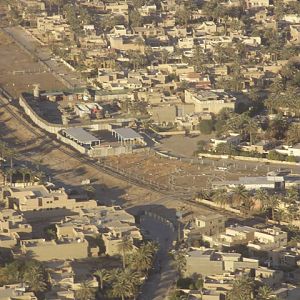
(38, 198)
(16, 292)
(211, 262)
(65, 249)
(233, 235)
(268, 239)
(209, 101)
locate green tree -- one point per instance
(274, 155)
(182, 16)
(102, 275)
(242, 289)
(293, 134)
(206, 126)
(124, 283)
(141, 260)
(85, 292)
(135, 19)
(180, 262)
(240, 194)
(264, 293)
(34, 276)
(214, 9)
(124, 247)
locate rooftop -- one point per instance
(81, 135)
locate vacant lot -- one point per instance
(19, 71)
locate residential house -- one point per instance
(212, 101)
(211, 262)
(268, 239)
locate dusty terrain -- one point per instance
(19, 71)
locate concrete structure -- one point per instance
(204, 225)
(273, 181)
(268, 239)
(39, 198)
(16, 292)
(211, 262)
(127, 135)
(232, 138)
(81, 137)
(210, 101)
(233, 236)
(64, 249)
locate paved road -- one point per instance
(164, 275)
(68, 77)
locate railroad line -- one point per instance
(78, 157)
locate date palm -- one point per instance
(24, 172)
(220, 197)
(262, 195)
(124, 283)
(85, 292)
(141, 260)
(102, 275)
(240, 193)
(272, 203)
(34, 276)
(124, 247)
(180, 262)
(264, 293)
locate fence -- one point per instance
(247, 158)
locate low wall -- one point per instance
(36, 119)
(213, 204)
(108, 151)
(175, 132)
(72, 143)
(247, 158)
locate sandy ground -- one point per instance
(18, 71)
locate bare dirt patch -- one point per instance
(19, 71)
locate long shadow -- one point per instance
(161, 225)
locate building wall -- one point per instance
(50, 251)
(204, 267)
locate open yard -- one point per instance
(19, 71)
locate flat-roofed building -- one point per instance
(212, 101)
(212, 262)
(128, 135)
(38, 198)
(43, 250)
(81, 137)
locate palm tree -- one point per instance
(272, 203)
(242, 289)
(124, 283)
(220, 196)
(141, 260)
(34, 276)
(292, 195)
(240, 193)
(102, 275)
(264, 293)
(251, 127)
(180, 262)
(293, 134)
(124, 247)
(10, 154)
(2, 149)
(85, 292)
(262, 195)
(10, 172)
(24, 172)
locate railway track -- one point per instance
(184, 197)
(102, 168)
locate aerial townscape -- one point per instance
(150, 149)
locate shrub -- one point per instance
(206, 126)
